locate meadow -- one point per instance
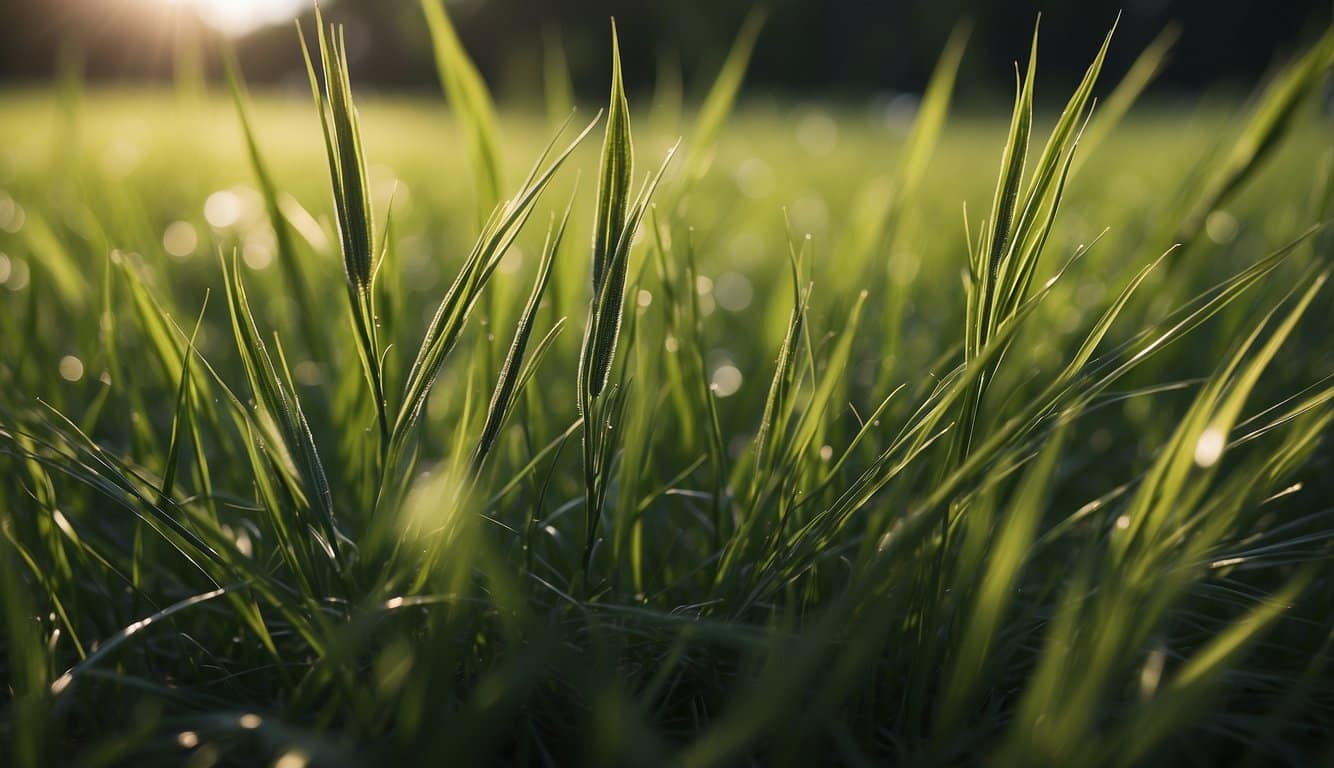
(735, 432)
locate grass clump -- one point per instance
(822, 506)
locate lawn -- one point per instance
(860, 438)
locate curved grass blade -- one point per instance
(509, 384)
(282, 228)
(443, 331)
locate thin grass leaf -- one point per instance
(183, 415)
(1269, 120)
(558, 87)
(288, 260)
(281, 417)
(443, 331)
(351, 192)
(469, 98)
(722, 95)
(508, 385)
(931, 113)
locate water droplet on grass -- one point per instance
(726, 380)
(1209, 448)
(71, 368)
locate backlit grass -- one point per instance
(349, 429)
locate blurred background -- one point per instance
(830, 48)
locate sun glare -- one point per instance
(237, 17)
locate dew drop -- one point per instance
(71, 368)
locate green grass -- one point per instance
(331, 434)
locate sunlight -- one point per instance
(237, 17)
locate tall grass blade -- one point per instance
(469, 98)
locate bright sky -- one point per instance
(236, 17)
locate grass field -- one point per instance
(791, 459)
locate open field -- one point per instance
(859, 482)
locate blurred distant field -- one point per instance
(156, 157)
